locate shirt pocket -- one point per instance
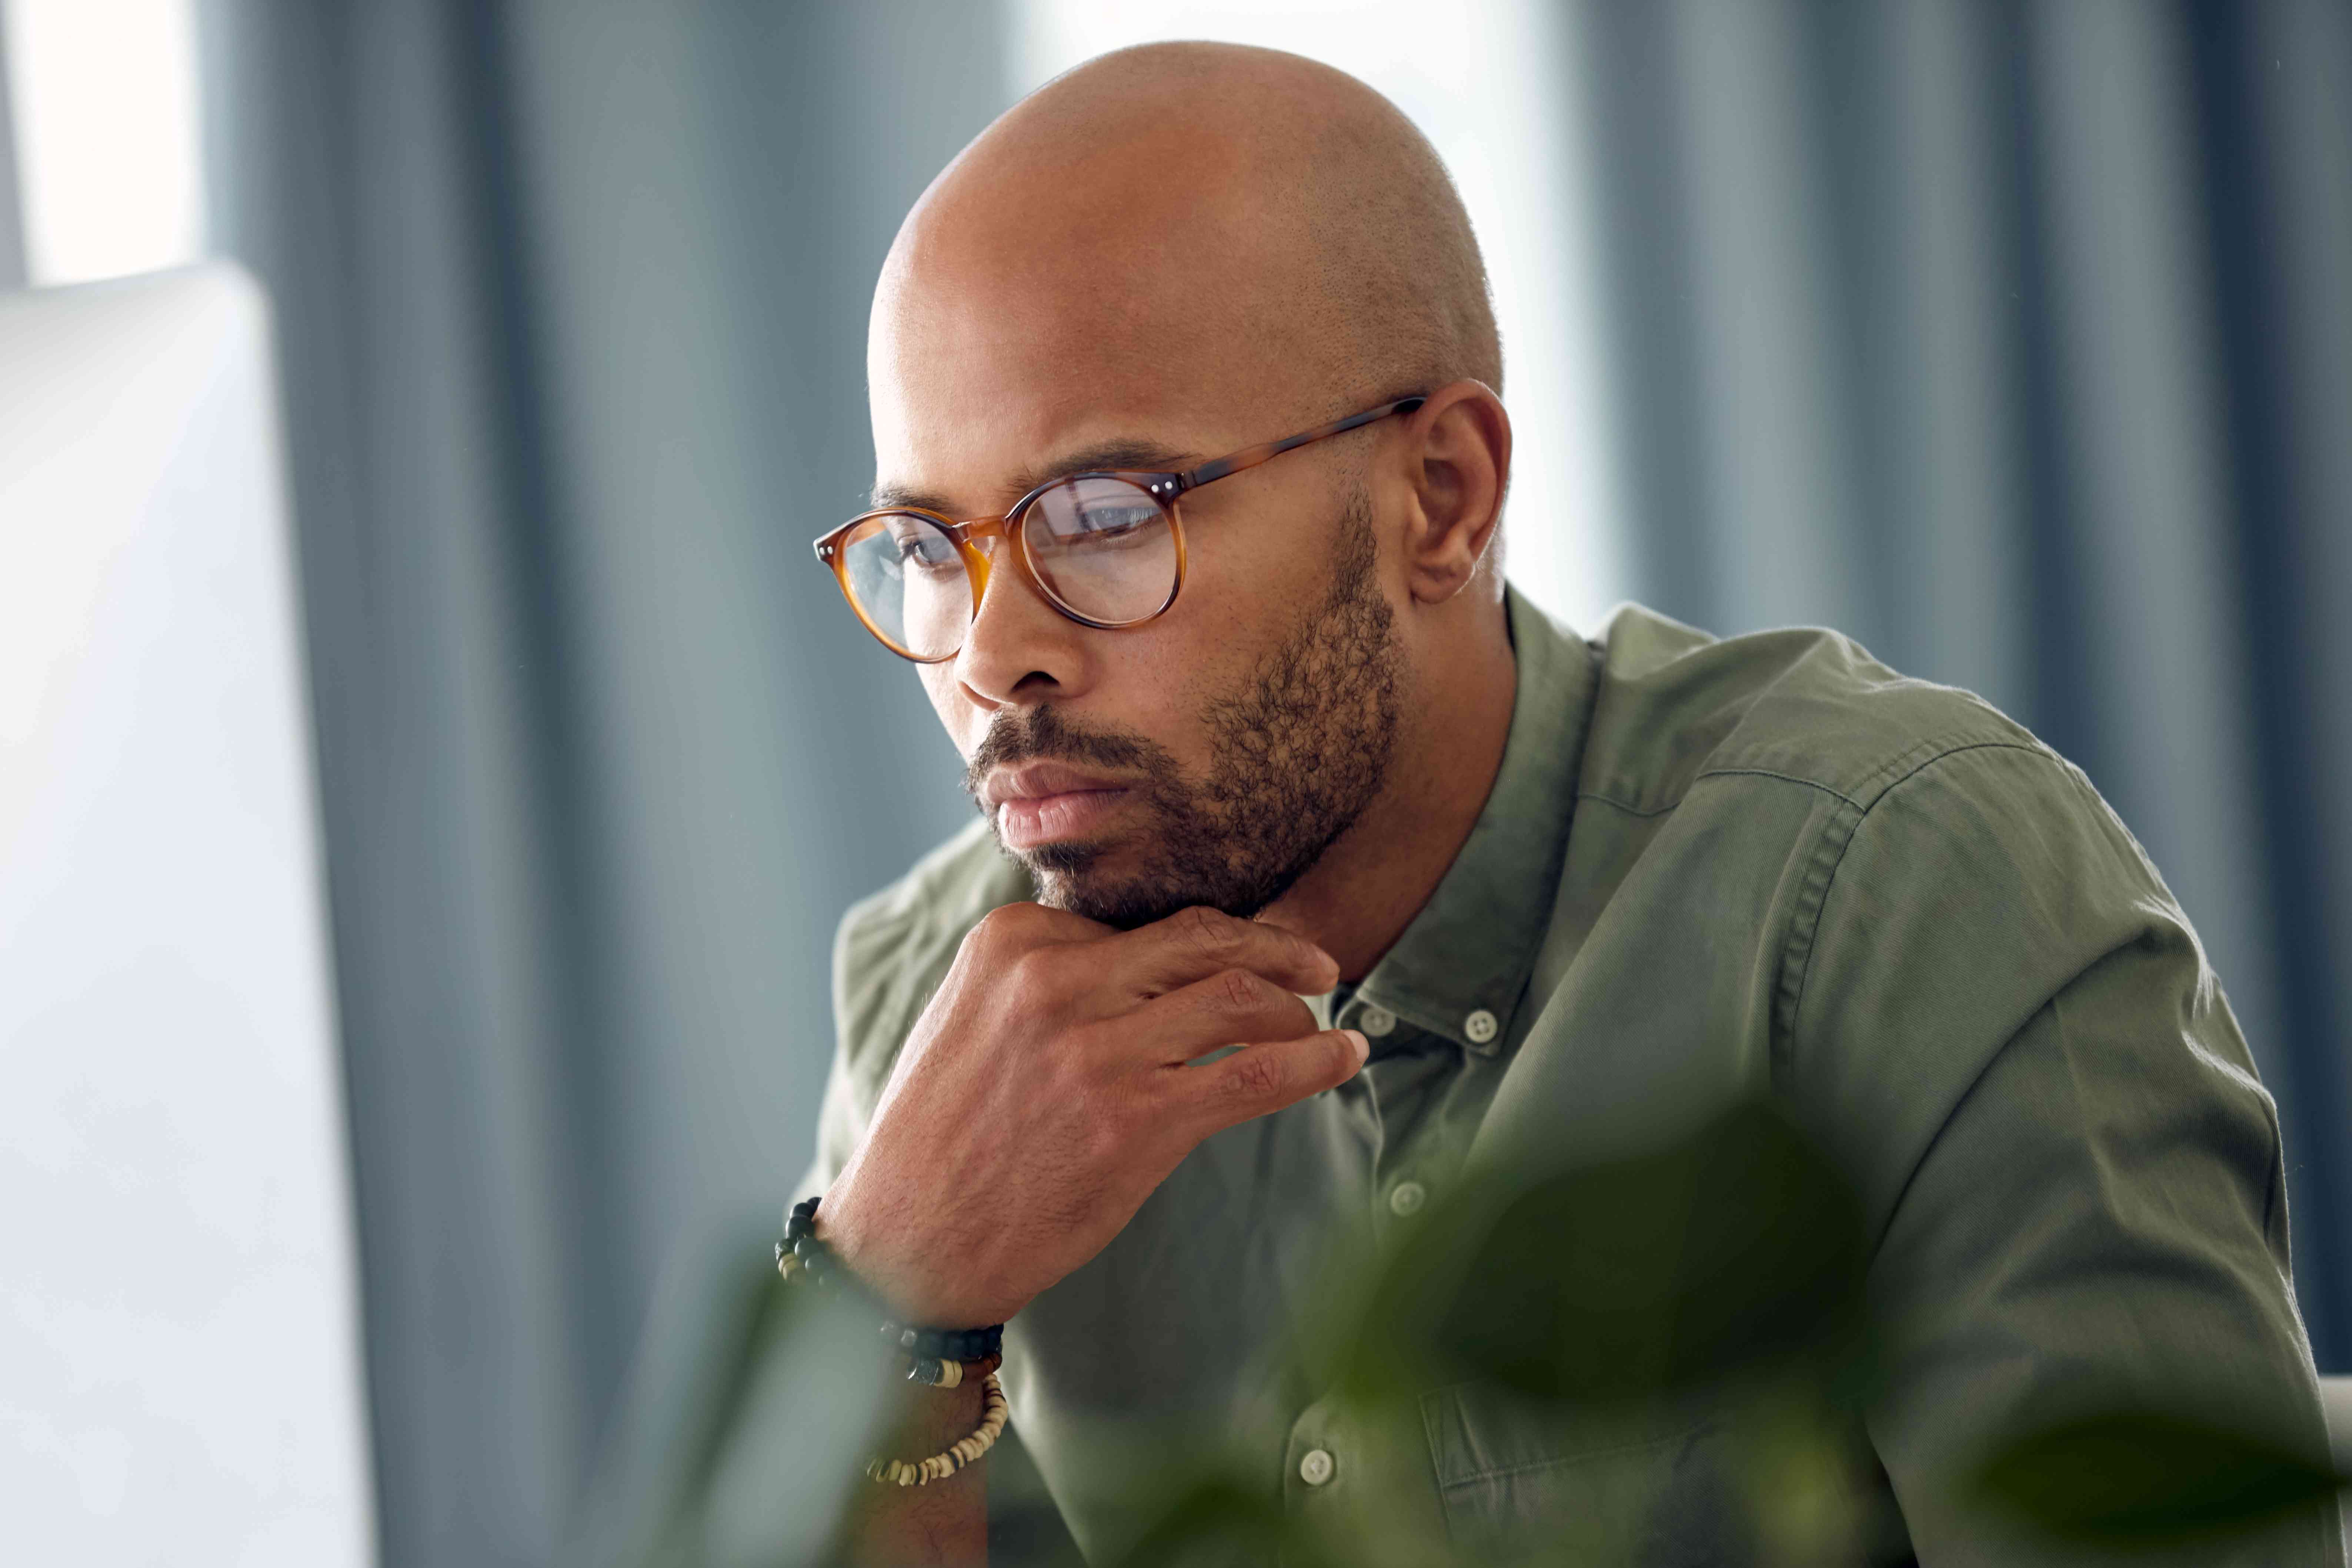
(1648, 1488)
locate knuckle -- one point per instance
(1208, 929)
(1254, 1074)
(996, 932)
(1032, 976)
(1238, 991)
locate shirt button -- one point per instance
(1406, 1198)
(1376, 1021)
(1480, 1026)
(1317, 1467)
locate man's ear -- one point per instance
(1457, 457)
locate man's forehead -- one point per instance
(985, 463)
(1118, 454)
(977, 412)
(1137, 334)
(1013, 344)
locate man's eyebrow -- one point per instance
(1128, 455)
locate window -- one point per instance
(103, 100)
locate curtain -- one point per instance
(2014, 338)
(11, 211)
(570, 302)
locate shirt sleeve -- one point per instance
(870, 1018)
(889, 954)
(2075, 1176)
(838, 1128)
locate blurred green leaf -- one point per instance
(2144, 1479)
(1219, 1521)
(738, 1438)
(1735, 1249)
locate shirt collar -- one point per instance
(1461, 967)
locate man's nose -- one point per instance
(1021, 651)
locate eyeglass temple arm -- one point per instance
(1251, 457)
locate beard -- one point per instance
(1296, 756)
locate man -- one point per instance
(1271, 758)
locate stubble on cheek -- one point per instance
(1297, 752)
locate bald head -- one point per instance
(1190, 225)
(1172, 255)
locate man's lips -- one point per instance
(1047, 803)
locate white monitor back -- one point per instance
(179, 1365)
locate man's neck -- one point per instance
(1368, 887)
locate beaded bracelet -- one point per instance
(800, 1252)
(940, 1466)
(939, 1374)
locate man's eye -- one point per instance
(925, 550)
(1112, 527)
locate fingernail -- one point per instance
(1363, 1045)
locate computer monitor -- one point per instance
(179, 1352)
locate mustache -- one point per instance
(1043, 735)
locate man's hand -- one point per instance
(1051, 1086)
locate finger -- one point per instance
(1229, 1008)
(1009, 934)
(1262, 1078)
(1193, 944)
(1010, 929)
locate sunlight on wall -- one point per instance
(1486, 86)
(106, 135)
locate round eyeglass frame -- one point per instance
(831, 547)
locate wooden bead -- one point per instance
(964, 1451)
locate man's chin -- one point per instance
(1096, 880)
(1064, 866)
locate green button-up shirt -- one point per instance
(1707, 868)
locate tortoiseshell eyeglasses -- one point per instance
(1106, 549)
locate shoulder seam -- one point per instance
(1804, 922)
(1785, 778)
(1901, 767)
(1804, 925)
(1630, 809)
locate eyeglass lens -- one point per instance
(1103, 549)
(909, 583)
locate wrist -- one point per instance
(936, 1351)
(909, 1277)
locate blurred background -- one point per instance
(2013, 337)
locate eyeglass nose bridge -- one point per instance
(976, 560)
